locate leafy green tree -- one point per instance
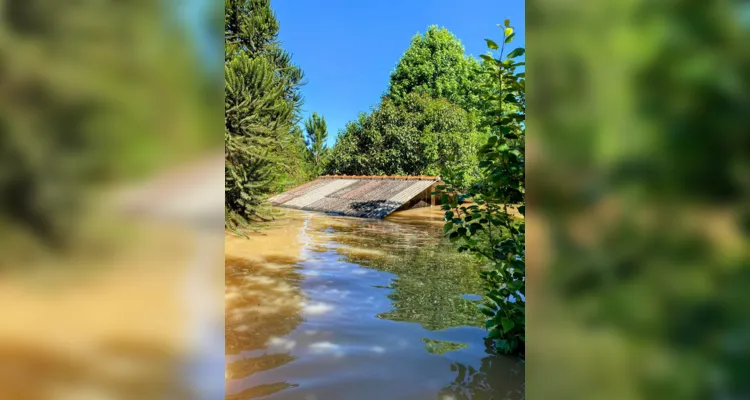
(317, 134)
(419, 136)
(436, 64)
(263, 146)
(487, 227)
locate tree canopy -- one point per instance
(436, 64)
(419, 136)
(428, 121)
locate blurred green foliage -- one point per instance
(486, 227)
(93, 93)
(639, 182)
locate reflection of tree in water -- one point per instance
(263, 301)
(441, 347)
(498, 378)
(432, 276)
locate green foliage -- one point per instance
(257, 125)
(317, 134)
(436, 64)
(83, 107)
(487, 227)
(432, 119)
(418, 136)
(263, 146)
(641, 178)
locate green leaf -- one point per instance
(507, 23)
(448, 227)
(507, 324)
(494, 333)
(487, 58)
(510, 38)
(487, 312)
(491, 44)
(517, 52)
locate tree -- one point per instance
(257, 126)
(418, 136)
(263, 149)
(317, 134)
(487, 227)
(436, 64)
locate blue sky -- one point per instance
(347, 49)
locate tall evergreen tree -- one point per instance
(317, 134)
(436, 64)
(262, 101)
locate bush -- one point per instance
(490, 225)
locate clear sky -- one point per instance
(348, 48)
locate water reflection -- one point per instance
(322, 307)
(498, 378)
(431, 278)
(263, 304)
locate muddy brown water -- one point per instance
(326, 308)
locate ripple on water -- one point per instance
(310, 318)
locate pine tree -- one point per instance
(262, 103)
(317, 134)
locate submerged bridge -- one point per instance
(360, 196)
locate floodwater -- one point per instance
(326, 308)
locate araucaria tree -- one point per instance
(263, 146)
(317, 134)
(487, 225)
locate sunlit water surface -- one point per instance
(325, 308)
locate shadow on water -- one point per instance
(497, 378)
(324, 307)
